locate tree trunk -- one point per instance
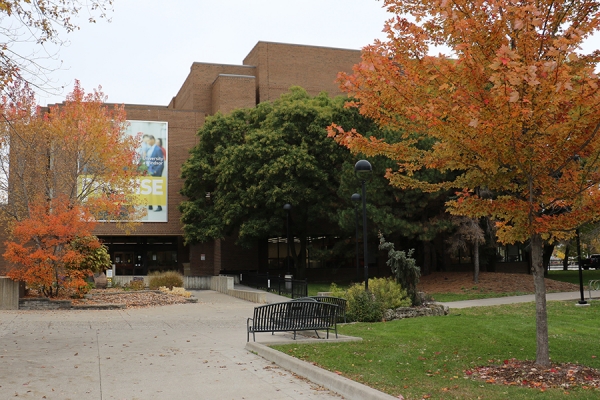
(548, 249)
(476, 262)
(566, 259)
(542, 357)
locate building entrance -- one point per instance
(140, 255)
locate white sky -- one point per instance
(145, 53)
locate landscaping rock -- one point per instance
(100, 280)
(428, 310)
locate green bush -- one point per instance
(169, 279)
(389, 293)
(384, 293)
(363, 306)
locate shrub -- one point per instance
(363, 306)
(336, 291)
(389, 293)
(178, 291)
(404, 267)
(169, 279)
(135, 285)
(384, 293)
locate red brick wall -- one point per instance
(281, 65)
(196, 91)
(230, 92)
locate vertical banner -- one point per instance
(152, 167)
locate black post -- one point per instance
(366, 256)
(287, 208)
(582, 300)
(364, 171)
(356, 243)
(356, 198)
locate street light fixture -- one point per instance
(364, 172)
(288, 207)
(356, 198)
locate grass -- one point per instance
(314, 288)
(446, 297)
(428, 356)
(573, 276)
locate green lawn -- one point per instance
(573, 276)
(314, 288)
(429, 356)
(445, 297)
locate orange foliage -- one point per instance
(514, 112)
(67, 166)
(77, 149)
(515, 109)
(42, 249)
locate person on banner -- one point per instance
(159, 142)
(155, 162)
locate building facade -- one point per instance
(268, 71)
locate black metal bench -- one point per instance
(338, 301)
(293, 316)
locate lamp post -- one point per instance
(288, 207)
(582, 300)
(356, 198)
(364, 172)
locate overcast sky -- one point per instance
(145, 53)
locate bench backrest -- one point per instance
(294, 314)
(338, 301)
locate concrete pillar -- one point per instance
(9, 294)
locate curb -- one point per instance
(348, 388)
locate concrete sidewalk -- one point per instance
(564, 296)
(187, 351)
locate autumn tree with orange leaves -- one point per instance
(63, 168)
(514, 110)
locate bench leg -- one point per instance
(317, 334)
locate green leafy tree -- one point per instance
(248, 164)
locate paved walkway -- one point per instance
(187, 351)
(564, 296)
(271, 297)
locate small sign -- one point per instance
(109, 273)
(202, 257)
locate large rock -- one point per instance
(100, 280)
(412, 312)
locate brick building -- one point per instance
(268, 71)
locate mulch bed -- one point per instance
(103, 298)
(525, 373)
(462, 282)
